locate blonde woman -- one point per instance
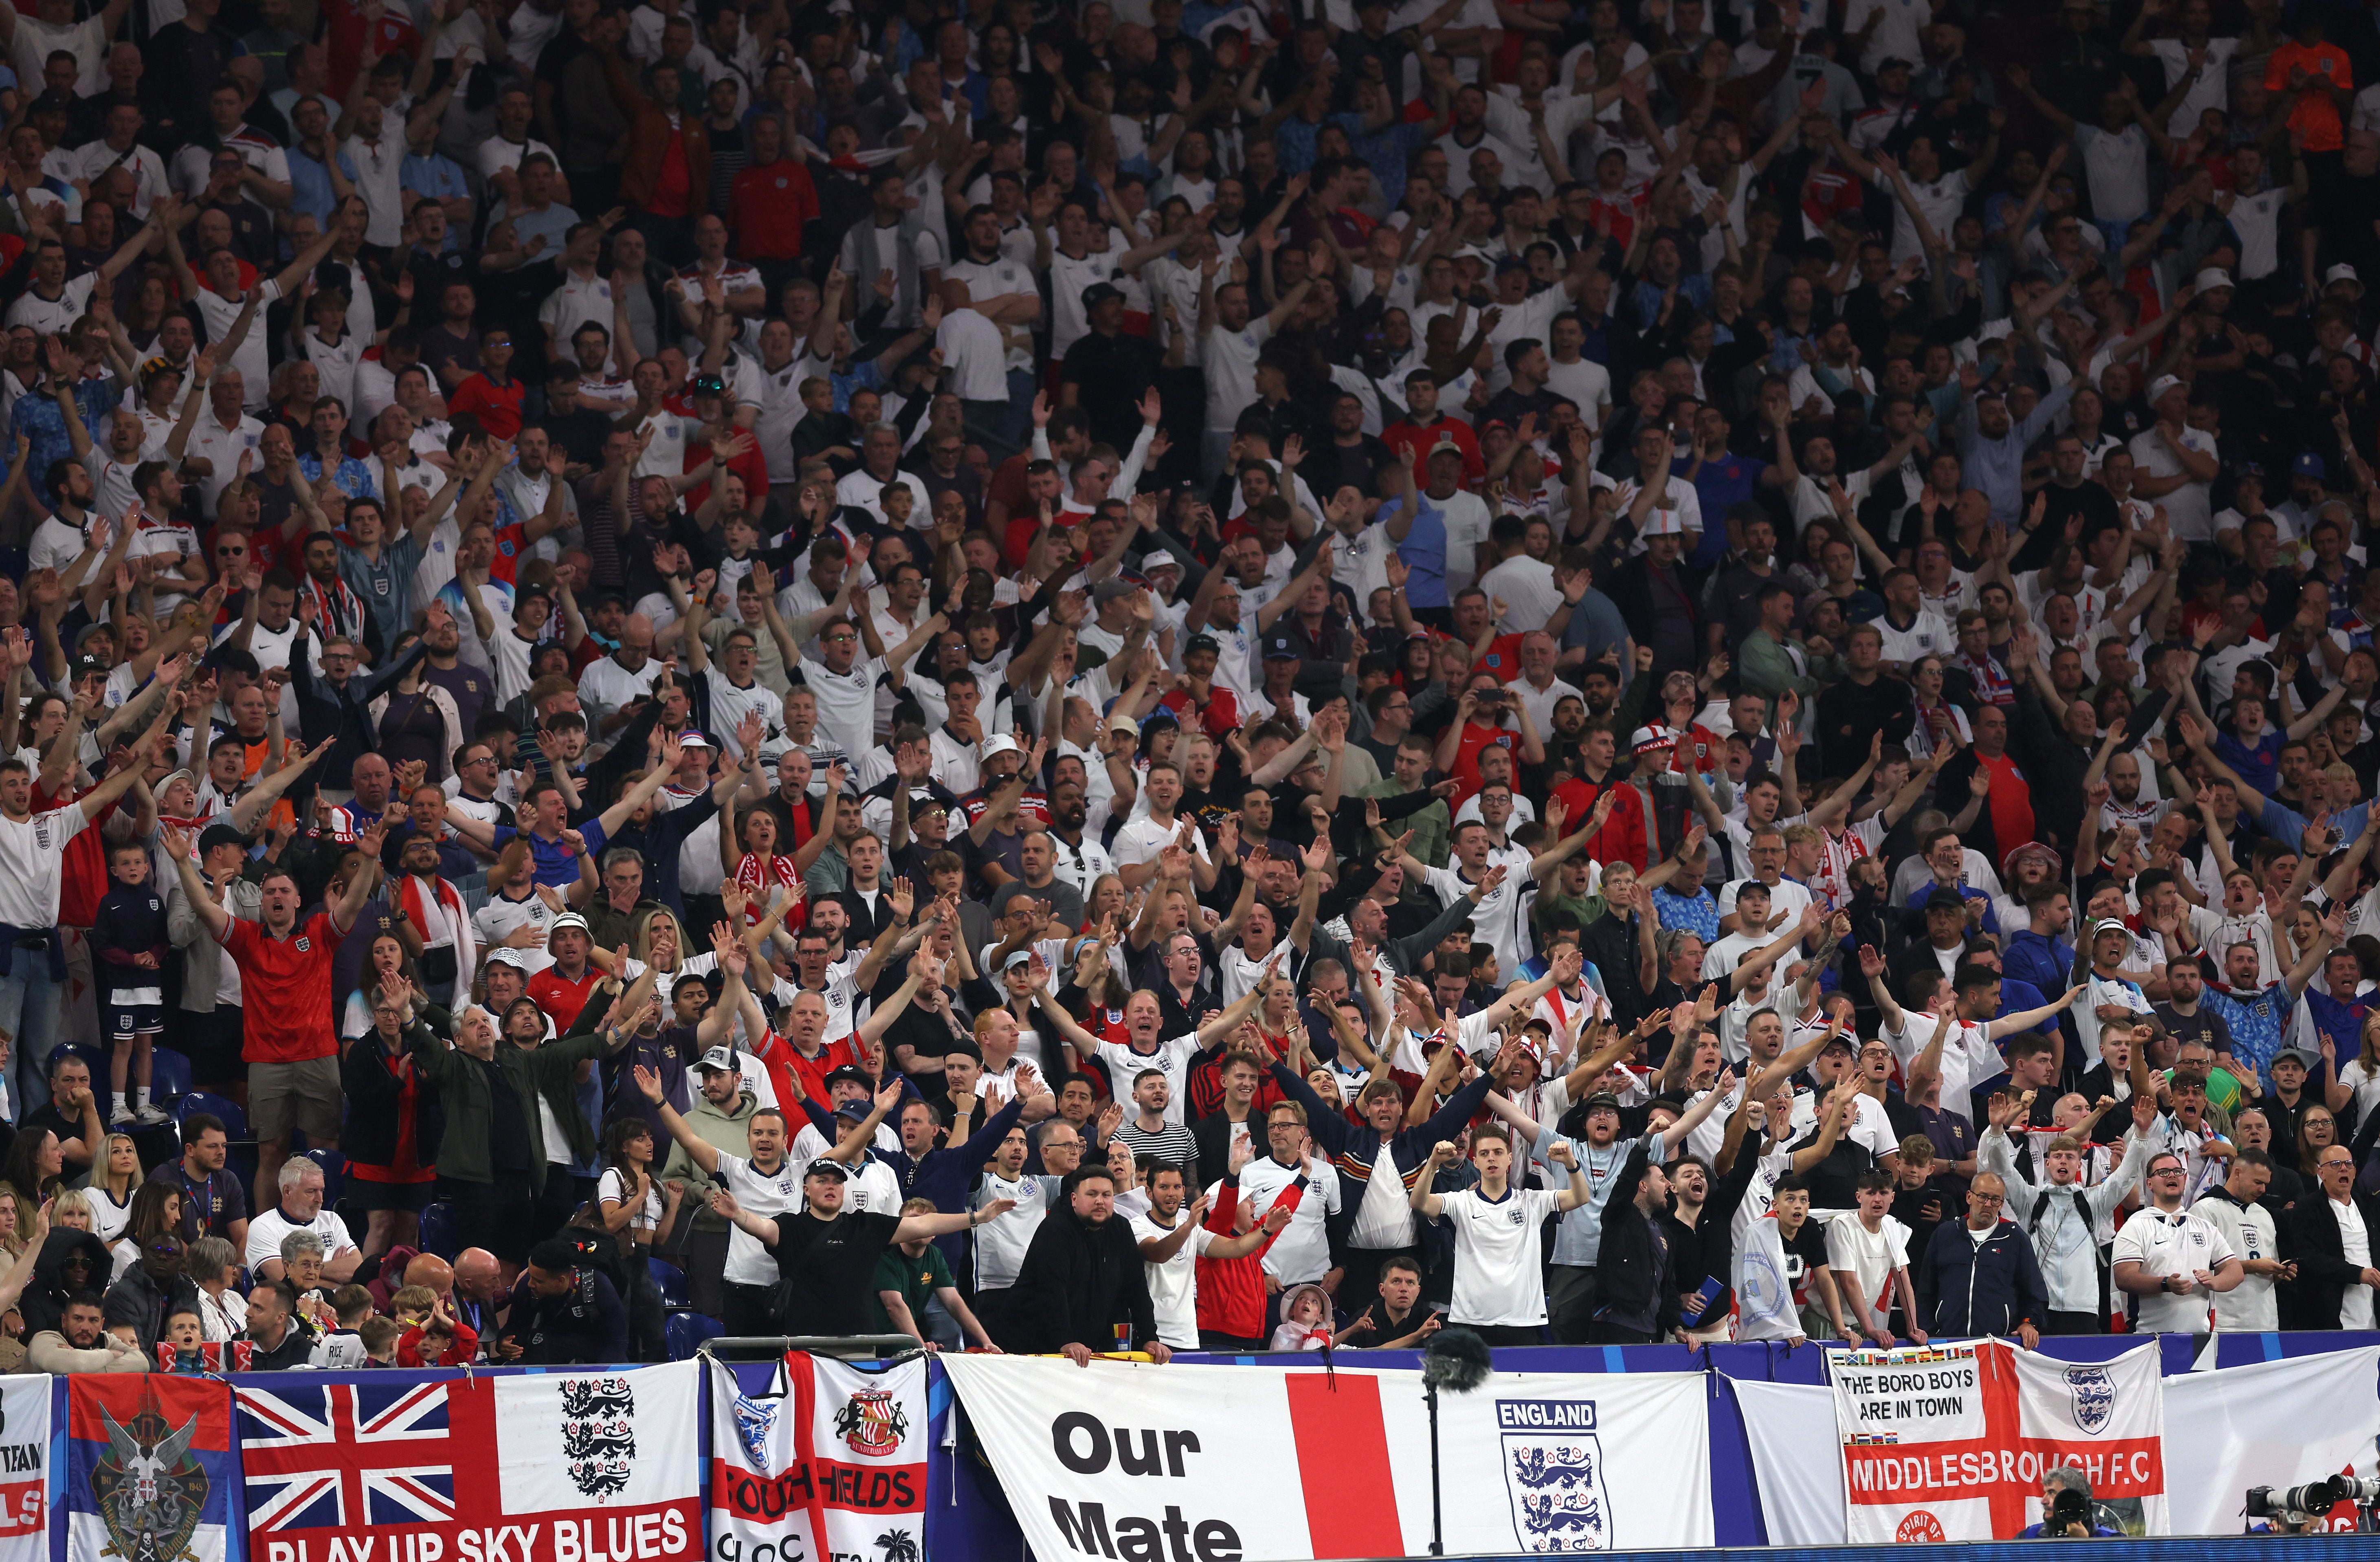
(111, 1191)
(2361, 1072)
(71, 1210)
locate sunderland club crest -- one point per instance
(2094, 1394)
(1553, 1474)
(598, 1434)
(872, 1422)
(149, 1488)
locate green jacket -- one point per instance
(722, 1131)
(1769, 670)
(464, 1092)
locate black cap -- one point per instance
(1099, 293)
(708, 385)
(1601, 1100)
(1277, 649)
(215, 836)
(1203, 642)
(850, 1073)
(825, 1167)
(1942, 897)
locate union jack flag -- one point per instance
(345, 1454)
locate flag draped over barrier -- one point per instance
(148, 1468)
(24, 1469)
(597, 1465)
(1950, 1442)
(827, 1461)
(1265, 1462)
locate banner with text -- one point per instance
(24, 1469)
(1949, 1442)
(827, 1461)
(1259, 1462)
(548, 1467)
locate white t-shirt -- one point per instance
(1871, 1257)
(30, 852)
(1171, 1058)
(1173, 1284)
(1498, 1278)
(2164, 1244)
(613, 1189)
(266, 1230)
(1302, 1252)
(748, 1263)
(999, 1245)
(847, 701)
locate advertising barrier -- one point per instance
(958, 1459)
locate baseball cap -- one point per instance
(215, 836)
(90, 667)
(1277, 649)
(1162, 559)
(1843, 1039)
(1890, 61)
(1099, 293)
(825, 1168)
(849, 1074)
(1021, 958)
(2164, 382)
(1203, 642)
(2308, 465)
(2300, 1056)
(1111, 589)
(2210, 278)
(718, 1060)
(707, 384)
(1942, 897)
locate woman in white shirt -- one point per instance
(111, 1196)
(633, 1206)
(222, 1312)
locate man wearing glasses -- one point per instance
(2330, 1240)
(2170, 1262)
(491, 395)
(1979, 1275)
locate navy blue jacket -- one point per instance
(1965, 1290)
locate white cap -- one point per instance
(567, 920)
(2211, 278)
(1662, 522)
(2341, 273)
(1161, 559)
(2164, 384)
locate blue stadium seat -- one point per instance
(671, 1281)
(172, 1074)
(226, 1110)
(94, 1058)
(438, 1231)
(687, 1332)
(335, 1174)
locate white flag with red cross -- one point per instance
(1949, 1443)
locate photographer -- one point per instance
(2068, 1513)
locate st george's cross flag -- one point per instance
(1949, 1443)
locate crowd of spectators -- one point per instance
(1161, 675)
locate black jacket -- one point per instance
(375, 1084)
(2310, 1237)
(1629, 1273)
(1078, 1282)
(587, 1323)
(144, 1300)
(44, 1301)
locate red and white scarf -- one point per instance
(338, 610)
(417, 912)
